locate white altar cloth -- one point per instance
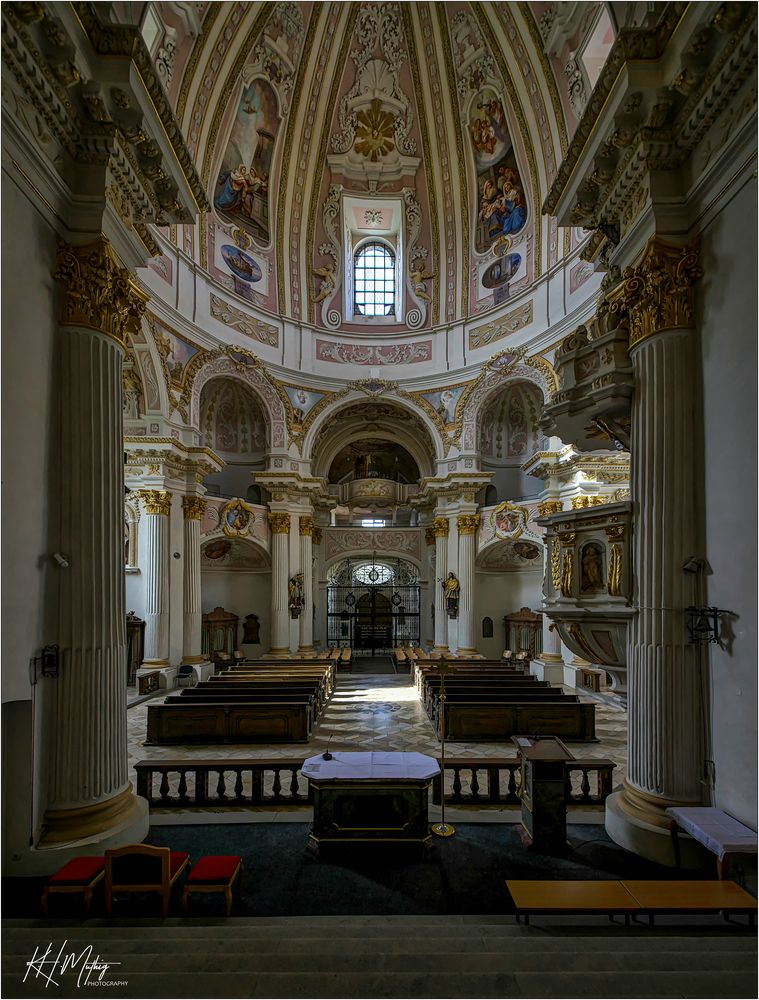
(367, 764)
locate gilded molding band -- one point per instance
(440, 526)
(193, 508)
(468, 523)
(556, 564)
(156, 501)
(98, 293)
(657, 294)
(306, 525)
(588, 500)
(615, 570)
(279, 522)
(549, 507)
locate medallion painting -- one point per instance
(502, 207)
(242, 188)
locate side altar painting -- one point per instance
(502, 205)
(242, 188)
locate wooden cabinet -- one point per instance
(524, 633)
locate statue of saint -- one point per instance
(452, 590)
(592, 568)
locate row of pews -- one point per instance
(490, 701)
(257, 701)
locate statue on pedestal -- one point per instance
(452, 590)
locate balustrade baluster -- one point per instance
(512, 794)
(585, 786)
(163, 791)
(201, 785)
(475, 785)
(494, 784)
(257, 785)
(238, 784)
(294, 785)
(456, 784)
(182, 790)
(221, 785)
(277, 786)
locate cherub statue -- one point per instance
(419, 277)
(327, 284)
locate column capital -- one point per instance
(193, 507)
(98, 293)
(657, 293)
(279, 522)
(156, 501)
(441, 527)
(306, 525)
(468, 523)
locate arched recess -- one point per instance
(508, 430)
(511, 555)
(219, 553)
(502, 370)
(361, 553)
(356, 416)
(246, 371)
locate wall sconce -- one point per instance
(48, 661)
(703, 624)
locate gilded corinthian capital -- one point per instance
(98, 293)
(657, 294)
(468, 523)
(279, 522)
(441, 527)
(156, 501)
(306, 525)
(193, 508)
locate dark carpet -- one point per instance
(463, 875)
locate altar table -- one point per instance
(378, 798)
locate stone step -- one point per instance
(231, 983)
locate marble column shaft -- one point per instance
(467, 527)
(157, 509)
(192, 651)
(279, 522)
(88, 792)
(441, 530)
(306, 621)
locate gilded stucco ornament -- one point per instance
(468, 523)
(193, 508)
(98, 293)
(441, 527)
(306, 525)
(279, 522)
(547, 507)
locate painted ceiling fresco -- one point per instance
(441, 124)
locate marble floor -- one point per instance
(378, 711)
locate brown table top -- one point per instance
(689, 895)
(546, 748)
(576, 896)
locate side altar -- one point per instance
(363, 798)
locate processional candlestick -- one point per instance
(442, 829)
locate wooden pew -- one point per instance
(493, 721)
(268, 722)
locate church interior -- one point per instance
(379, 503)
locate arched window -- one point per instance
(374, 280)
(487, 628)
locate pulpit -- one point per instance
(544, 807)
(219, 634)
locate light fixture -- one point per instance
(703, 624)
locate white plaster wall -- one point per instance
(728, 322)
(233, 480)
(499, 594)
(28, 436)
(242, 593)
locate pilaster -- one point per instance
(279, 524)
(193, 508)
(467, 525)
(441, 531)
(306, 622)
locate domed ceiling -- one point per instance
(435, 128)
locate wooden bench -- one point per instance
(279, 721)
(488, 721)
(80, 875)
(148, 683)
(628, 897)
(719, 833)
(213, 874)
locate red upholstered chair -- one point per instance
(142, 868)
(77, 875)
(213, 874)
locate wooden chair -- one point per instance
(216, 873)
(142, 868)
(80, 875)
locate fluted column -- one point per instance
(665, 721)
(88, 792)
(157, 507)
(441, 530)
(306, 621)
(192, 639)
(467, 525)
(279, 522)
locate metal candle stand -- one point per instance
(442, 829)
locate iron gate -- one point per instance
(373, 619)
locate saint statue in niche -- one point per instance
(592, 568)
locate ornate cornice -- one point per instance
(468, 523)
(193, 508)
(589, 500)
(441, 527)
(657, 294)
(156, 501)
(98, 293)
(279, 522)
(306, 525)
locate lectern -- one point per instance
(544, 807)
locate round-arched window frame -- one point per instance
(374, 280)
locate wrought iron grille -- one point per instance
(373, 619)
